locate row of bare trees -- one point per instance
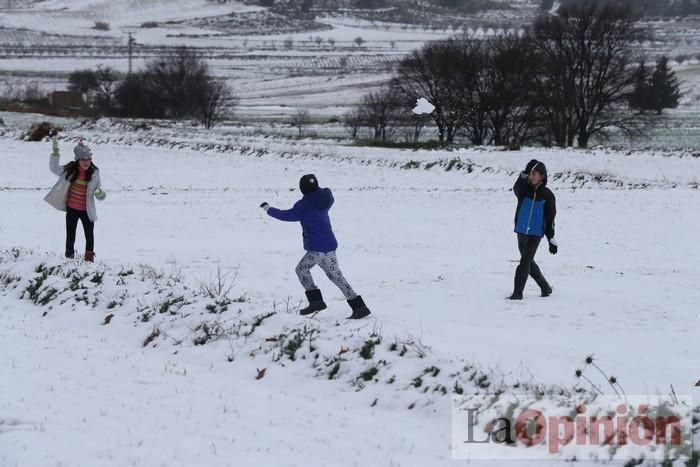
(568, 78)
(175, 85)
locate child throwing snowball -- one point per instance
(320, 245)
(74, 193)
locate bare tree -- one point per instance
(83, 81)
(509, 78)
(178, 76)
(475, 89)
(105, 78)
(214, 100)
(586, 51)
(300, 121)
(379, 109)
(437, 72)
(353, 120)
(175, 85)
(411, 124)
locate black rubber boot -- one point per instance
(518, 284)
(316, 302)
(359, 309)
(546, 292)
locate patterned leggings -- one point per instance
(329, 263)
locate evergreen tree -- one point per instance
(640, 97)
(656, 91)
(665, 87)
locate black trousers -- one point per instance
(72, 217)
(527, 244)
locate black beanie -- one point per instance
(308, 184)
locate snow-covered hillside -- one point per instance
(78, 17)
(425, 237)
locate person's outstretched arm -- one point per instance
(54, 165)
(521, 182)
(287, 215)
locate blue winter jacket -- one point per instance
(536, 208)
(312, 212)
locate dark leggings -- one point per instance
(72, 217)
(527, 244)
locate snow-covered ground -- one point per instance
(78, 17)
(425, 237)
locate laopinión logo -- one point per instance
(567, 427)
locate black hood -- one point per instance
(542, 169)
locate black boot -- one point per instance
(546, 292)
(359, 309)
(316, 302)
(518, 283)
(70, 254)
(545, 288)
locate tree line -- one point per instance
(176, 85)
(651, 8)
(569, 77)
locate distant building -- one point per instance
(66, 100)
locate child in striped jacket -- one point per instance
(75, 192)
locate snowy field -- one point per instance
(134, 361)
(425, 237)
(42, 42)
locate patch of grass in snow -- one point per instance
(367, 350)
(218, 307)
(171, 305)
(291, 343)
(369, 374)
(334, 370)
(33, 289)
(48, 295)
(417, 382)
(7, 279)
(210, 331)
(75, 280)
(257, 321)
(221, 285)
(97, 277)
(411, 165)
(151, 337)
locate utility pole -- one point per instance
(131, 43)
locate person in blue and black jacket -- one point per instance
(320, 245)
(534, 219)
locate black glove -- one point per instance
(265, 206)
(553, 247)
(530, 165)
